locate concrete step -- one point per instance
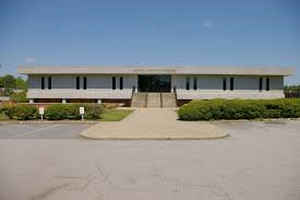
(139, 100)
(153, 100)
(168, 100)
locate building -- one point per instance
(122, 84)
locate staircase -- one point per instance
(139, 100)
(153, 100)
(168, 100)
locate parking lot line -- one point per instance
(38, 130)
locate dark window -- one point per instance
(224, 83)
(267, 84)
(187, 83)
(121, 83)
(113, 83)
(231, 83)
(260, 84)
(195, 83)
(43, 83)
(77, 82)
(84, 83)
(49, 83)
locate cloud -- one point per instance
(207, 23)
(30, 60)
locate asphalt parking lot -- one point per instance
(261, 160)
(41, 131)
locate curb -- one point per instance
(156, 138)
(49, 122)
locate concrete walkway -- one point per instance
(153, 123)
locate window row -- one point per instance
(78, 85)
(49, 83)
(114, 83)
(224, 83)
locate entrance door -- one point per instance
(154, 83)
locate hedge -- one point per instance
(20, 111)
(71, 111)
(52, 112)
(239, 109)
(19, 97)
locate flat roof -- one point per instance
(196, 70)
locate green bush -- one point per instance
(93, 111)
(239, 109)
(20, 111)
(71, 111)
(19, 97)
(57, 112)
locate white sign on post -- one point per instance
(81, 111)
(41, 111)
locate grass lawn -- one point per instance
(115, 114)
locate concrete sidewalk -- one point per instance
(153, 123)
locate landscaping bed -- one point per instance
(239, 109)
(61, 112)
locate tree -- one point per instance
(21, 83)
(9, 83)
(1, 82)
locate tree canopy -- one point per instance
(9, 83)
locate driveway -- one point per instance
(261, 160)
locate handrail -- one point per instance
(146, 100)
(175, 92)
(161, 100)
(132, 93)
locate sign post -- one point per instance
(81, 111)
(41, 112)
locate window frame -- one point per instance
(231, 83)
(42, 82)
(224, 84)
(195, 82)
(268, 84)
(114, 83)
(49, 82)
(260, 84)
(187, 83)
(121, 82)
(84, 82)
(77, 82)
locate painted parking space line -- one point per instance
(38, 130)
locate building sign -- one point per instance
(155, 71)
(41, 110)
(81, 110)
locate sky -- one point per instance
(150, 33)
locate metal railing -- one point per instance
(175, 92)
(132, 93)
(161, 100)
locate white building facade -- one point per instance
(101, 84)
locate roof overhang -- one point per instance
(259, 71)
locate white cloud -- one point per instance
(207, 24)
(30, 60)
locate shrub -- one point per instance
(93, 111)
(71, 111)
(56, 112)
(20, 111)
(239, 109)
(18, 97)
